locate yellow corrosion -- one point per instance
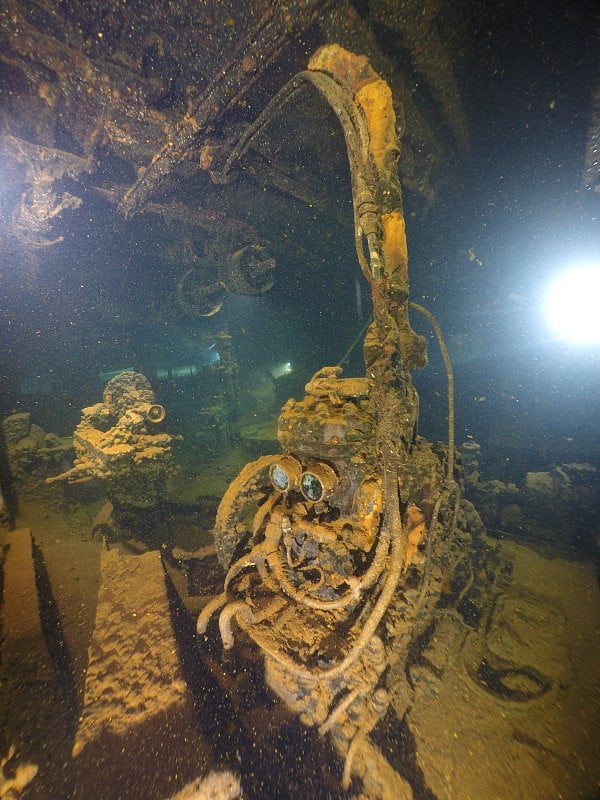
(394, 242)
(368, 506)
(375, 99)
(415, 523)
(347, 68)
(379, 151)
(371, 93)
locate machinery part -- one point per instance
(196, 297)
(200, 290)
(243, 496)
(170, 373)
(362, 102)
(177, 373)
(334, 550)
(318, 482)
(249, 271)
(126, 391)
(311, 581)
(153, 412)
(450, 380)
(285, 473)
(112, 443)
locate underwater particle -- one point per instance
(473, 257)
(206, 157)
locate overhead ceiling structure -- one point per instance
(137, 105)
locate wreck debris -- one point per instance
(215, 786)
(334, 550)
(12, 786)
(117, 102)
(41, 203)
(33, 454)
(542, 507)
(29, 681)
(197, 295)
(201, 289)
(470, 452)
(136, 699)
(115, 442)
(423, 152)
(249, 271)
(227, 368)
(134, 97)
(362, 102)
(319, 551)
(38, 206)
(252, 56)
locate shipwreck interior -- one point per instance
(299, 493)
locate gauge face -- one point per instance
(279, 477)
(311, 487)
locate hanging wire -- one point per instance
(359, 336)
(450, 379)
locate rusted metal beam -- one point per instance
(280, 24)
(99, 98)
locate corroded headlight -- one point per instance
(285, 474)
(318, 482)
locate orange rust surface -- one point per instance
(394, 242)
(375, 99)
(415, 522)
(371, 93)
(349, 69)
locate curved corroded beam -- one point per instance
(362, 102)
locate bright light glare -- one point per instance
(279, 370)
(573, 305)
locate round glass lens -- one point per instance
(279, 478)
(311, 486)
